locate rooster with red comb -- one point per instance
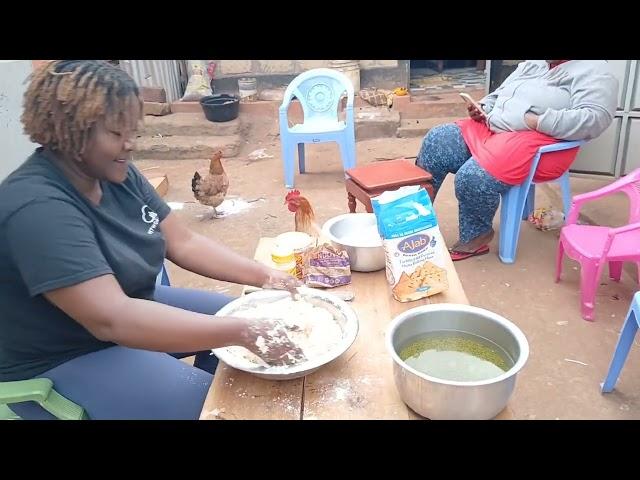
(305, 219)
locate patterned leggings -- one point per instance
(444, 151)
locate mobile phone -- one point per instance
(470, 101)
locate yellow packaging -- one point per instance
(300, 243)
(283, 259)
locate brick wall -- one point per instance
(271, 73)
(225, 68)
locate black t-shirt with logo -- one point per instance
(51, 237)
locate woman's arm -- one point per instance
(101, 307)
(110, 315)
(201, 255)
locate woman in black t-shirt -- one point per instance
(82, 239)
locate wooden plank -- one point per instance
(356, 385)
(455, 292)
(239, 395)
(161, 184)
(359, 384)
(236, 395)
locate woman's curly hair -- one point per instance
(67, 97)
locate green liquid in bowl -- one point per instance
(455, 356)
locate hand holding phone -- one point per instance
(475, 110)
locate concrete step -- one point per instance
(260, 108)
(417, 110)
(184, 147)
(188, 124)
(448, 95)
(435, 105)
(418, 127)
(376, 122)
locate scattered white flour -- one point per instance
(258, 154)
(230, 207)
(350, 394)
(215, 414)
(317, 331)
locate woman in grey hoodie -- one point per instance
(541, 102)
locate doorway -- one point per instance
(438, 76)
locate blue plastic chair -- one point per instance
(518, 202)
(625, 341)
(319, 91)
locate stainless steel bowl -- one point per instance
(341, 311)
(353, 232)
(440, 399)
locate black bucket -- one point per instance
(221, 107)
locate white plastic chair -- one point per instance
(319, 92)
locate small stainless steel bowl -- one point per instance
(353, 232)
(440, 399)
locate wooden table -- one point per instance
(357, 385)
(364, 183)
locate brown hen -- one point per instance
(211, 189)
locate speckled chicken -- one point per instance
(211, 190)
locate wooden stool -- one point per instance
(369, 181)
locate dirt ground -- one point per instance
(551, 386)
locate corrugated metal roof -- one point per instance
(168, 74)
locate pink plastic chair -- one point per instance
(594, 245)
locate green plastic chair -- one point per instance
(38, 390)
(41, 390)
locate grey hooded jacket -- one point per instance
(576, 100)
